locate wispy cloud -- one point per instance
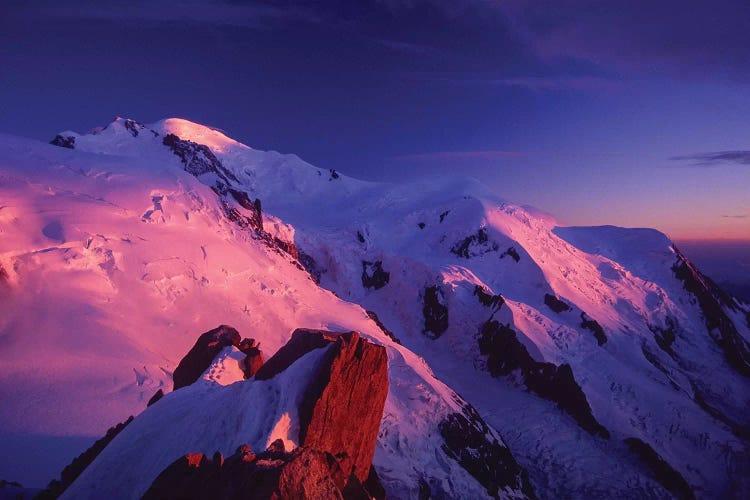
(738, 216)
(715, 158)
(559, 83)
(477, 155)
(534, 83)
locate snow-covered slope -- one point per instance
(118, 252)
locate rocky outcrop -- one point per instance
(373, 275)
(373, 316)
(471, 442)
(339, 418)
(664, 473)
(198, 159)
(303, 340)
(665, 337)
(506, 354)
(64, 141)
(133, 127)
(350, 384)
(253, 361)
(251, 218)
(200, 357)
(288, 248)
(156, 397)
(208, 346)
(557, 305)
(311, 266)
(435, 312)
(512, 253)
(3, 276)
(712, 301)
(272, 474)
(488, 299)
(475, 245)
(254, 217)
(77, 466)
(591, 325)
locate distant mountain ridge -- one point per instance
(598, 354)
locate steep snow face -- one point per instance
(635, 338)
(164, 263)
(114, 263)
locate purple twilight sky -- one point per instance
(600, 112)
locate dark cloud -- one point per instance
(716, 158)
(529, 40)
(206, 12)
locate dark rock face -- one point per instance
(469, 441)
(287, 247)
(424, 490)
(273, 474)
(360, 237)
(489, 300)
(334, 175)
(444, 215)
(252, 219)
(373, 275)
(303, 340)
(3, 276)
(197, 158)
(664, 473)
(255, 218)
(421, 225)
(555, 304)
(200, 357)
(665, 337)
(512, 253)
(596, 328)
(253, 361)
(311, 266)
(208, 346)
(156, 397)
(71, 472)
(711, 300)
(435, 312)
(352, 380)
(475, 245)
(133, 127)
(64, 142)
(505, 354)
(373, 316)
(238, 207)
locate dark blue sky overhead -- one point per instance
(632, 113)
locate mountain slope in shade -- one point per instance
(571, 342)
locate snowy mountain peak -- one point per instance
(195, 132)
(572, 343)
